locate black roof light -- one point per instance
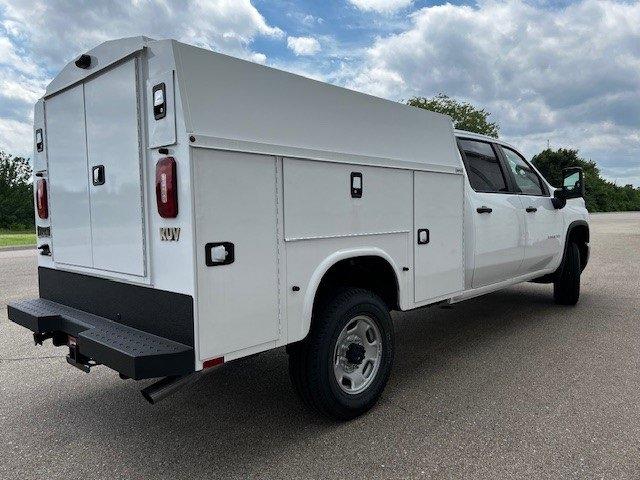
(83, 61)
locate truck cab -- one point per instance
(512, 216)
(194, 209)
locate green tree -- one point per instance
(465, 116)
(16, 194)
(600, 194)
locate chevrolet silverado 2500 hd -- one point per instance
(194, 208)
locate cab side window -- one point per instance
(527, 180)
(483, 167)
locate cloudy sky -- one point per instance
(563, 72)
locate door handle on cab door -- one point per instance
(484, 209)
(531, 209)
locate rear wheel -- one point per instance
(343, 365)
(566, 288)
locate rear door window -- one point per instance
(527, 180)
(483, 167)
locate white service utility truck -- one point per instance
(194, 208)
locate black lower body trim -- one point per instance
(165, 314)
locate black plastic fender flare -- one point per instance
(550, 277)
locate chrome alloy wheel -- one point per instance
(357, 355)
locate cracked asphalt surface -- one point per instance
(504, 386)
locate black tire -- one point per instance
(566, 288)
(311, 361)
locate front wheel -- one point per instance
(342, 367)
(566, 288)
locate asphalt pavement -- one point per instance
(508, 385)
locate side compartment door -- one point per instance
(69, 186)
(497, 214)
(235, 195)
(438, 217)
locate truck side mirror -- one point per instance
(573, 182)
(558, 200)
(572, 186)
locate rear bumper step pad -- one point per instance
(131, 352)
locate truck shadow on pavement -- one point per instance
(245, 416)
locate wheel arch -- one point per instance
(387, 285)
(578, 232)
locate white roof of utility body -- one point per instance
(102, 56)
(234, 104)
(227, 99)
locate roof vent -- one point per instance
(83, 61)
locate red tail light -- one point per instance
(167, 188)
(42, 203)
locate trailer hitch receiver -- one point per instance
(77, 359)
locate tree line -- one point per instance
(16, 194)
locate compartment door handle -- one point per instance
(97, 175)
(219, 253)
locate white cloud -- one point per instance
(40, 36)
(15, 137)
(223, 25)
(303, 45)
(383, 6)
(378, 81)
(570, 76)
(11, 58)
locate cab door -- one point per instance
(543, 222)
(497, 215)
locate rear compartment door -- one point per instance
(111, 103)
(97, 221)
(69, 190)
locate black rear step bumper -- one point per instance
(129, 351)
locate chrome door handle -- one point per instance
(531, 209)
(219, 253)
(484, 209)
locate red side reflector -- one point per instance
(212, 362)
(42, 203)
(167, 187)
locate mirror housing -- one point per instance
(573, 182)
(572, 186)
(558, 200)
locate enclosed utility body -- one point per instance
(194, 208)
